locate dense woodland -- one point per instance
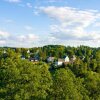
(24, 80)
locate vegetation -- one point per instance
(21, 79)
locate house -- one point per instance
(4, 51)
(66, 59)
(61, 61)
(22, 57)
(34, 59)
(50, 59)
(72, 59)
(28, 51)
(83, 57)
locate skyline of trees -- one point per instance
(25, 80)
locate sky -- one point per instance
(33, 23)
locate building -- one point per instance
(50, 59)
(28, 51)
(4, 51)
(60, 62)
(66, 59)
(73, 58)
(34, 59)
(22, 57)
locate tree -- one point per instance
(64, 87)
(24, 80)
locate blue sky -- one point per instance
(29, 23)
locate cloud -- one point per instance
(21, 40)
(29, 28)
(72, 23)
(13, 1)
(8, 21)
(29, 5)
(2, 42)
(97, 24)
(24, 40)
(31, 40)
(52, 1)
(27, 38)
(76, 33)
(4, 35)
(70, 15)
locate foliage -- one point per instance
(24, 80)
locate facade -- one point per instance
(50, 59)
(34, 59)
(22, 57)
(61, 61)
(4, 51)
(28, 51)
(73, 58)
(66, 59)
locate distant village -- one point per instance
(58, 62)
(55, 58)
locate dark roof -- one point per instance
(33, 58)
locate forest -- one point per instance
(22, 79)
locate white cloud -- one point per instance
(13, 1)
(70, 15)
(29, 5)
(3, 37)
(52, 1)
(31, 40)
(27, 38)
(8, 21)
(29, 28)
(4, 34)
(2, 42)
(21, 40)
(97, 24)
(72, 23)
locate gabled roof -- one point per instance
(51, 57)
(65, 57)
(33, 58)
(60, 60)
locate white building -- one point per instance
(50, 59)
(73, 58)
(22, 57)
(28, 51)
(4, 51)
(66, 59)
(61, 61)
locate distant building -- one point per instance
(4, 51)
(28, 51)
(35, 59)
(59, 62)
(72, 59)
(83, 57)
(66, 59)
(22, 57)
(50, 59)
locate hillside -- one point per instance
(31, 73)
